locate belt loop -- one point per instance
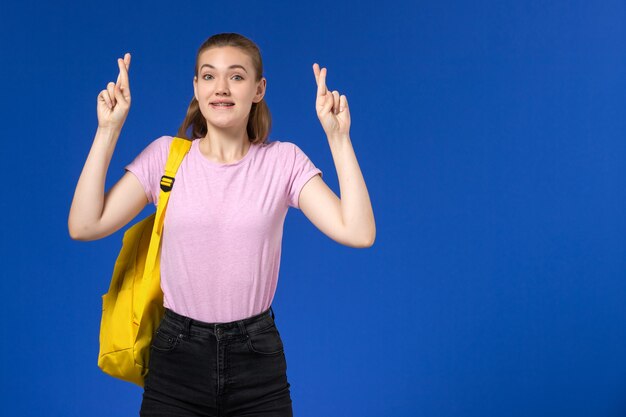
(185, 327)
(242, 328)
(272, 311)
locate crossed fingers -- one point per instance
(320, 79)
(122, 83)
(124, 65)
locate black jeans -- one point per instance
(217, 369)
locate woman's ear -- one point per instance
(195, 87)
(260, 90)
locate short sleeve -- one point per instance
(149, 166)
(301, 170)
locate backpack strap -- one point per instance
(178, 150)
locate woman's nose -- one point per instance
(222, 87)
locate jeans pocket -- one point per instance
(266, 341)
(165, 340)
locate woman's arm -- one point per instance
(88, 200)
(94, 214)
(349, 220)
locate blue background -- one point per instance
(491, 136)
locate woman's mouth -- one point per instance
(222, 106)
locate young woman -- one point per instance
(217, 350)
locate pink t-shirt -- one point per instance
(223, 227)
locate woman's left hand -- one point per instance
(332, 108)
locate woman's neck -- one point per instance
(223, 148)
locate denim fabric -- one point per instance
(217, 369)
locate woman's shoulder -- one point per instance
(155, 152)
(281, 150)
(281, 147)
(160, 143)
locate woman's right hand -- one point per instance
(114, 101)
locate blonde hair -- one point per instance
(260, 120)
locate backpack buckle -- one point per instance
(167, 182)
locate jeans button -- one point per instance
(220, 332)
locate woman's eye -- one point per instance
(209, 75)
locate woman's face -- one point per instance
(226, 74)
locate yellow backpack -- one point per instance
(132, 309)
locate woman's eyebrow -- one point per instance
(232, 66)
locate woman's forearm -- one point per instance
(356, 208)
(88, 201)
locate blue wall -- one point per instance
(491, 136)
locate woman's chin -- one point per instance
(226, 123)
